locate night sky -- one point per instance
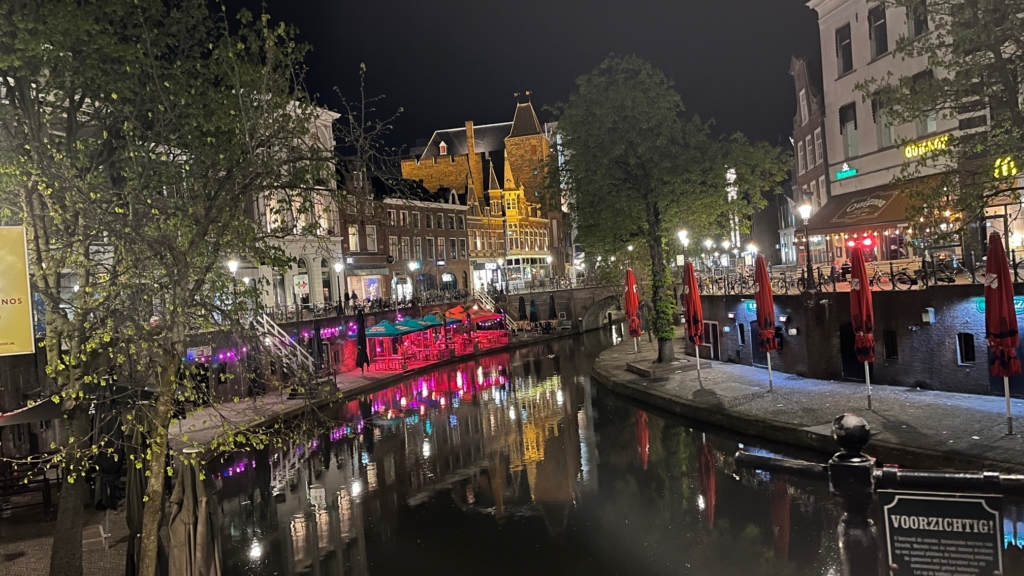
(449, 61)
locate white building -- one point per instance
(865, 152)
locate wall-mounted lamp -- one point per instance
(731, 315)
(928, 315)
(783, 318)
(792, 332)
(726, 329)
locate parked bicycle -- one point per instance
(823, 282)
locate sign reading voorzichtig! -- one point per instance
(15, 294)
(948, 534)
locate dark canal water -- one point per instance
(517, 463)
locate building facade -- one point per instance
(864, 151)
(499, 171)
(810, 160)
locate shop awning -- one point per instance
(43, 410)
(880, 207)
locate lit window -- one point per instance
(442, 148)
(353, 238)
(804, 111)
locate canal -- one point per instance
(517, 463)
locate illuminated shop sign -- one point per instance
(1018, 304)
(846, 172)
(1004, 167)
(918, 149)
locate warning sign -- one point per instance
(942, 534)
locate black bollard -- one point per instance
(852, 478)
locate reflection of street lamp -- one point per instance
(805, 213)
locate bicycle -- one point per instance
(823, 283)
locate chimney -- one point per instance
(470, 139)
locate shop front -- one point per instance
(874, 219)
(487, 276)
(449, 282)
(527, 271)
(367, 284)
(401, 286)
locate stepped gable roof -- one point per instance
(487, 137)
(525, 122)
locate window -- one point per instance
(917, 18)
(927, 124)
(442, 148)
(476, 240)
(393, 246)
(877, 33)
(462, 222)
(821, 191)
(801, 159)
(391, 218)
(889, 345)
(353, 238)
(350, 205)
(885, 131)
(405, 248)
(403, 218)
(440, 248)
(741, 332)
(453, 249)
(417, 248)
(965, 348)
(462, 248)
(430, 221)
(430, 248)
(819, 151)
(848, 129)
(371, 238)
(415, 219)
(809, 144)
(805, 114)
(451, 222)
(814, 195)
(844, 50)
(440, 221)
(972, 122)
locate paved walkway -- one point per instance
(912, 427)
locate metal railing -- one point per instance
(854, 477)
(281, 344)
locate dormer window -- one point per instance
(442, 148)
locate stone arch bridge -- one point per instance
(587, 308)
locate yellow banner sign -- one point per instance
(16, 335)
(918, 149)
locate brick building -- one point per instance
(810, 161)
(494, 167)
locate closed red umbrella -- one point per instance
(694, 313)
(1001, 319)
(632, 306)
(862, 313)
(765, 313)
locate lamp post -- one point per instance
(708, 244)
(233, 268)
(684, 239)
(342, 289)
(805, 213)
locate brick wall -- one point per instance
(927, 354)
(448, 171)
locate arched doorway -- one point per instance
(428, 282)
(449, 282)
(325, 280)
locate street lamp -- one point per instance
(233, 266)
(630, 247)
(805, 213)
(342, 289)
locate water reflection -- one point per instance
(514, 464)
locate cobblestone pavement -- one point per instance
(25, 544)
(912, 427)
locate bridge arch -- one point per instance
(596, 313)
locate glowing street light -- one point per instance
(630, 247)
(233, 265)
(338, 267)
(805, 213)
(726, 244)
(709, 243)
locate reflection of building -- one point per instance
(500, 171)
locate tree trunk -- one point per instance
(66, 550)
(152, 515)
(662, 302)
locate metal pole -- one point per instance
(809, 283)
(1009, 414)
(867, 378)
(771, 387)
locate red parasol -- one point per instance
(862, 308)
(643, 440)
(1000, 315)
(862, 314)
(1001, 319)
(691, 301)
(632, 304)
(706, 479)
(765, 307)
(780, 500)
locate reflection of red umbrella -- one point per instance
(862, 313)
(632, 304)
(694, 313)
(643, 439)
(765, 313)
(706, 476)
(780, 504)
(1001, 319)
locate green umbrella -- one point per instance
(194, 542)
(386, 330)
(414, 324)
